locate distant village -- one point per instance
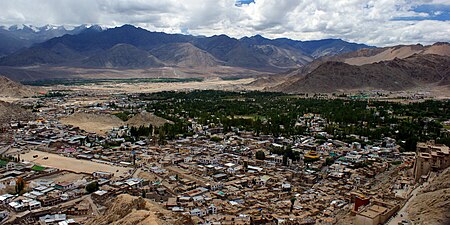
(53, 173)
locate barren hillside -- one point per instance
(9, 88)
(432, 204)
(123, 56)
(129, 210)
(185, 55)
(399, 52)
(394, 74)
(335, 76)
(97, 123)
(145, 119)
(391, 68)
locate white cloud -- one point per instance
(366, 21)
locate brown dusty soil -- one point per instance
(432, 203)
(127, 209)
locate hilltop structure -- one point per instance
(429, 157)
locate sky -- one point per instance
(373, 22)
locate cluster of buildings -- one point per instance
(43, 190)
(215, 181)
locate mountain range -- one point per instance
(390, 68)
(128, 47)
(280, 64)
(17, 37)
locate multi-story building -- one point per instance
(430, 156)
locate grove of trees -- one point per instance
(277, 114)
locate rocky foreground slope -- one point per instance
(9, 88)
(129, 210)
(432, 204)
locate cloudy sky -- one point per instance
(375, 22)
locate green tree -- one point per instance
(329, 161)
(260, 155)
(285, 160)
(92, 187)
(293, 199)
(216, 139)
(20, 185)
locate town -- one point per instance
(219, 157)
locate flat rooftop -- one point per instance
(373, 211)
